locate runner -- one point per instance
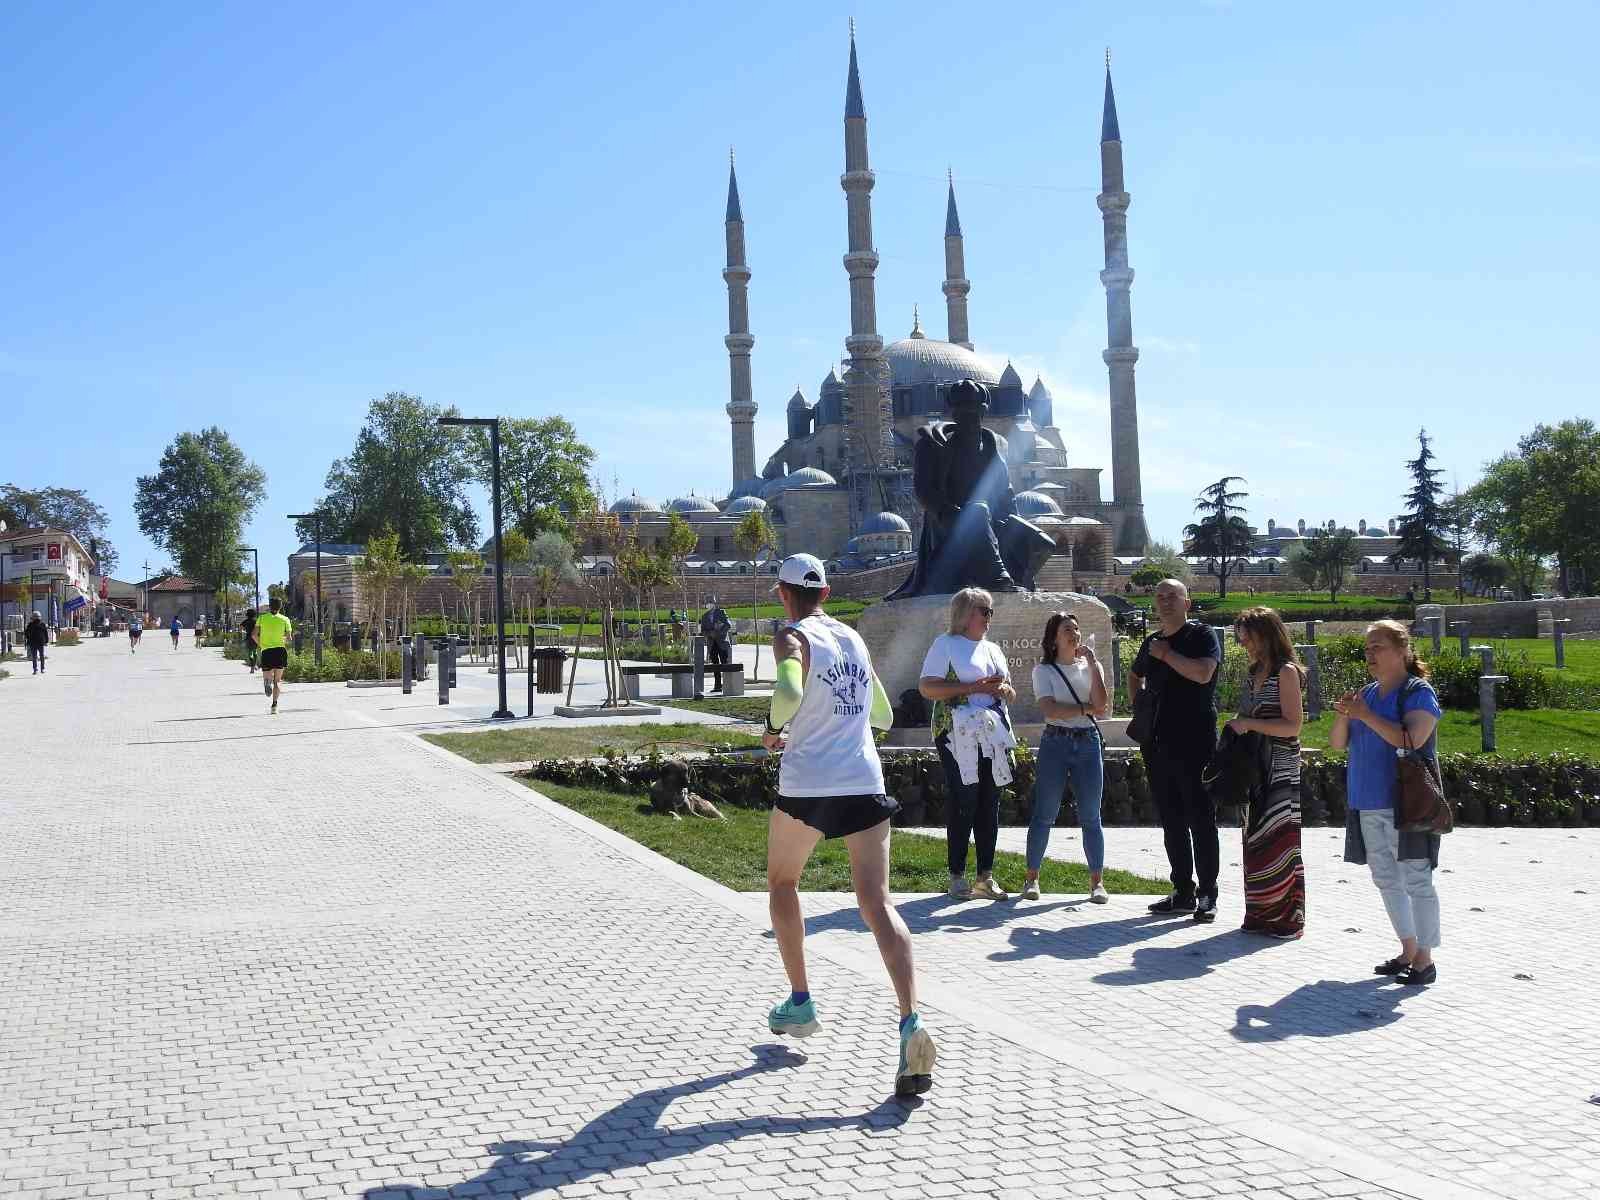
(135, 628)
(830, 784)
(271, 633)
(247, 627)
(175, 629)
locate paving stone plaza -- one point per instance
(314, 956)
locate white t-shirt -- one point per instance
(1047, 682)
(970, 660)
(831, 749)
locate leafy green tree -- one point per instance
(1485, 572)
(1424, 529)
(1167, 557)
(550, 558)
(1503, 514)
(1148, 576)
(678, 544)
(407, 473)
(61, 508)
(197, 503)
(1564, 463)
(1221, 533)
(755, 536)
(380, 572)
(1325, 560)
(544, 470)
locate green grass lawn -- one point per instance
(743, 708)
(1289, 604)
(734, 852)
(1583, 658)
(1517, 732)
(521, 745)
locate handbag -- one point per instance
(1420, 803)
(1146, 711)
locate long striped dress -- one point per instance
(1274, 875)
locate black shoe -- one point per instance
(1175, 903)
(1395, 966)
(1422, 977)
(1205, 909)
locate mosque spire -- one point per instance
(1108, 116)
(955, 285)
(741, 402)
(853, 107)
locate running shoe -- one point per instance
(1097, 894)
(266, 687)
(1030, 890)
(915, 1073)
(793, 1020)
(987, 889)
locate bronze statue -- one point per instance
(971, 534)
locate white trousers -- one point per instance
(1406, 886)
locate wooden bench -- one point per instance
(682, 676)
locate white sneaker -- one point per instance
(1030, 890)
(987, 889)
(1097, 894)
(959, 886)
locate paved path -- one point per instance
(312, 956)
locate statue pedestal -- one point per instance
(899, 632)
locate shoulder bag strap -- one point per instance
(1076, 698)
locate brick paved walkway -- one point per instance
(312, 956)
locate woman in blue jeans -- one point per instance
(1069, 684)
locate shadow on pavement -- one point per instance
(1328, 1008)
(628, 1135)
(939, 912)
(1084, 941)
(1155, 964)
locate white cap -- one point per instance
(803, 570)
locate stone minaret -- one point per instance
(956, 286)
(741, 403)
(868, 418)
(1120, 354)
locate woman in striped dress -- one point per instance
(1270, 704)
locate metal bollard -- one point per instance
(455, 653)
(1559, 637)
(1436, 628)
(697, 655)
(530, 672)
(1313, 680)
(1485, 658)
(1486, 708)
(1464, 635)
(1311, 632)
(1116, 672)
(405, 666)
(446, 666)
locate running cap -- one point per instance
(803, 570)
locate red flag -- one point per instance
(104, 591)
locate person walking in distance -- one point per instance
(830, 785)
(176, 630)
(272, 630)
(1179, 663)
(135, 630)
(247, 626)
(37, 635)
(716, 628)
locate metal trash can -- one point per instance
(549, 664)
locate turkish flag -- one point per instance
(104, 591)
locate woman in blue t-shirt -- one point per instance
(1398, 707)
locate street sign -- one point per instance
(52, 551)
(73, 605)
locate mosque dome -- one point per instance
(1010, 378)
(1035, 504)
(884, 522)
(748, 487)
(635, 505)
(692, 504)
(805, 477)
(920, 359)
(745, 504)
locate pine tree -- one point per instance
(1424, 528)
(1222, 533)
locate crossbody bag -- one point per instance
(1078, 700)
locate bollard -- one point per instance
(1485, 659)
(316, 649)
(454, 650)
(1311, 632)
(697, 655)
(1486, 708)
(405, 666)
(1436, 627)
(445, 668)
(299, 642)
(1313, 680)
(1464, 636)
(1116, 672)
(1559, 637)
(530, 671)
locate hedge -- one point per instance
(1540, 790)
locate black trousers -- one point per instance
(720, 653)
(1188, 818)
(36, 657)
(971, 810)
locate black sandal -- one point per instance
(1395, 966)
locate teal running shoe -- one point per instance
(794, 1020)
(917, 1055)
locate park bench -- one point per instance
(682, 676)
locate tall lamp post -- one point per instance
(316, 528)
(257, 553)
(4, 633)
(503, 713)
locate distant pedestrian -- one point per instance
(37, 635)
(1397, 711)
(247, 627)
(135, 628)
(717, 629)
(272, 632)
(969, 681)
(1270, 705)
(1069, 684)
(175, 629)
(1179, 662)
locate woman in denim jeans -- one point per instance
(1069, 684)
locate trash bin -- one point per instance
(549, 663)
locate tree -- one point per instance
(1149, 575)
(678, 544)
(1502, 504)
(1424, 528)
(607, 538)
(197, 503)
(543, 470)
(61, 508)
(1222, 532)
(551, 560)
(1165, 556)
(1325, 560)
(466, 568)
(1485, 572)
(755, 536)
(1564, 519)
(407, 473)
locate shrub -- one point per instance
(1456, 680)
(66, 637)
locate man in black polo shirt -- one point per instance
(1179, 663)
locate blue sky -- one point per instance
(1346, 223)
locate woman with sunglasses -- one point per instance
(1070, 686)
(969, 681)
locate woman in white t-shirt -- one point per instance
(969, 681)
(1070, 686)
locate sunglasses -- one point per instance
(987, 612)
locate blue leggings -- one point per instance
(1064, 756)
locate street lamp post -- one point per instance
(316, 528)
(503, 713)
(257, 553)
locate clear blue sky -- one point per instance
(1346, 223)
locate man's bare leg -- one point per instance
(869, 871)
(789, 845)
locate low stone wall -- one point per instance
(1521, 618)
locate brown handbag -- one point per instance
(1420, 803)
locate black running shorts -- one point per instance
(839, 816)
(274, 659)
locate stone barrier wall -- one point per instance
(1521, 618)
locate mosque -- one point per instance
(839, 485)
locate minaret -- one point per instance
(1120, 354)
(956, 286)
(868, 420)
(741, 403)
